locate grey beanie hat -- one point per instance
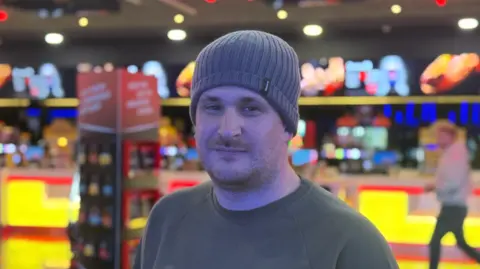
(254, 60)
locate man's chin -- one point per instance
(231, 185)
(229, 177)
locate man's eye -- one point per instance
(212, 107)
(251, 109)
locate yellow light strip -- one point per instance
(303, 101)
(61, 102)
(14, 102)
(381, 100)
(176, 102)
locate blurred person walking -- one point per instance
(453, 186)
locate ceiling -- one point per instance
(155, 17)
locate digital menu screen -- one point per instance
(156, 69)
(375, 138)
(166, 76)
(392, 75)
(37, 82)
(451, 74)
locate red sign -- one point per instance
(140, 102)
(118, 101)
(97, 96)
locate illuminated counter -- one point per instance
(37, 198)
(35, 210)
(405, 214)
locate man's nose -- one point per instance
(231, 124)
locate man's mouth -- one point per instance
(229, 149)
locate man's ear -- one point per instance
(287, 136)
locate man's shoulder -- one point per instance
(165, 214)
(328, 219)
(329, 213)
(326, 203)
(181, 201)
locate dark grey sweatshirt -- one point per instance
(308, 229)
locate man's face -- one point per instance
(444, 139)
(240, 137)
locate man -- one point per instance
(452, 187)
(256, 213)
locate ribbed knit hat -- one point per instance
(254, 60)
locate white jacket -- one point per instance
(454, 183)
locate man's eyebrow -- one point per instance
(243, 100)
(248, 100)
(253, 101)
(207, 98)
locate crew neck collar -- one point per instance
(265, 210)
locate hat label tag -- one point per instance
(266, 86)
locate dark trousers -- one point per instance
(450, 219)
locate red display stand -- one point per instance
(118, 159)
(310, 139)
(141, 160)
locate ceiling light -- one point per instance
(396, 9)
(97, 69)
(441, 3)
(108, 67)
(132, 69)
(312, 30)
(176, 35)
(3, 16)
(84, 67)
(178, 18)
(54, 38)
(468, 23)
(282, 14)
(386, 28)
(83, 22)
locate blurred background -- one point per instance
(377, 77)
